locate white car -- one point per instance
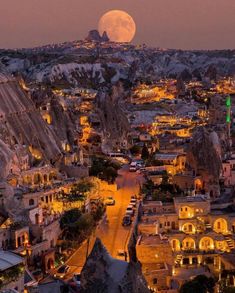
(62, 271)
(109, 201)
(133, 167)
(130, 211)
(133, 203)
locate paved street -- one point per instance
(113, 235)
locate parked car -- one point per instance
(109, 201)
(77, 279)
(133, 204)
(121, 254)
(130, 211)
(126, 221)
(133, 201)
(62, 271)
(139, 165)
(133, 167)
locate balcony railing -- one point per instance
(197, 251)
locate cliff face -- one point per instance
(63, 122)
(114, 123)
(22, 124)
(102, 273)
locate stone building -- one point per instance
(198, 233)
(155, 254)
(174, 162)
(228, 172)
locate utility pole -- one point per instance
(87, 248)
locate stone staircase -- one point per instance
(178, 259)
(208, 226)
(230, 242)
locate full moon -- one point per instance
(119, 26)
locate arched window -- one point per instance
(154, 281)
(37, 219)
(31, 202)
(189, 228)
(220, 226)
(206, 243)
(37, 178)
(188, 243)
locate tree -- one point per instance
(96, 167)
(104, 169)
(78, 191)
(69, 217)
(200, 284)
(145, 153)
(147, 187)
(75, 224)
(98, 211)
(110, 174)
(135, 150)
(165, 179)
(82, 187)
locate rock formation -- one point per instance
(114, 122)
(94, 36)
(185, 75)
(211, 72)
(105, 37)
(203, 153)
(102, 273)
(204, 156)
(197, 74)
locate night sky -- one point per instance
(184, 24)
